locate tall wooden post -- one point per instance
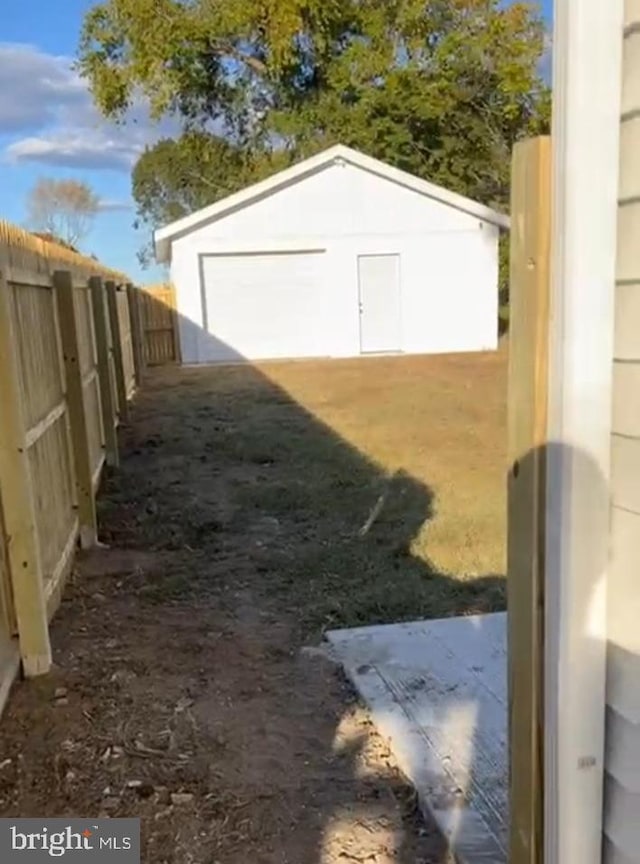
(136, 332)
(116, 339)
(107, 396)
(20, 522)
(527, 425)
(63, 286)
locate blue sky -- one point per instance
(49, 127)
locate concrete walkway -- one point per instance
(438, 691)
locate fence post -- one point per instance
(63, 286)
(109, 411)
(116, 340)
(20, 524)
(136, 332)
(529, 296)
(175, 320)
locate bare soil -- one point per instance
(253, 509)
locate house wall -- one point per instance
(622, 763)
(449, 260)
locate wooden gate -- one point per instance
(160, 325)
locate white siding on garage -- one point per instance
(337, 201)
(448, 265)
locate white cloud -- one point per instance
(35, 86)
(72, 149)
(52, 120)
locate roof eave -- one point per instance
(163, 237)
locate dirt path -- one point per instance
(181, 694)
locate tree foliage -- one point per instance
(441, 89)
(179, 176)
(176, 177)
(63, 209)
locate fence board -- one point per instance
(106, 381)
(39, 366)
(47, 433)
(95, 429)
(51, 472)
(75, 343)
(9, 650)
(8, 645)
(19, 509)
(160, 325)
(133, 294)
(9, 654)
(126, 341)
(7, 612)
(25, 253)
(113, 376)
(91, 397)
(116, 343)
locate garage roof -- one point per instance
(163, 237)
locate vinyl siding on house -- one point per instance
(622, 759)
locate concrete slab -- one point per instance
(438, 691)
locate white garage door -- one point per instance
(263, 305)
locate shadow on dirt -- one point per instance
(251, 527)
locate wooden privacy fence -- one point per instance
(69, 362)
(160, 325)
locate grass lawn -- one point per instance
(351, 492)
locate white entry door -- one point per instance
(379, 283)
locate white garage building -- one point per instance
(337, 256)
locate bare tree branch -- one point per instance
(63, 208)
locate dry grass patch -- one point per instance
(348, 492)
(441, 421)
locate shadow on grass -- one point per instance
(248, 475)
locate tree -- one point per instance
(441, 89)
(204, 59)
(176, 177)
(64, 209)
